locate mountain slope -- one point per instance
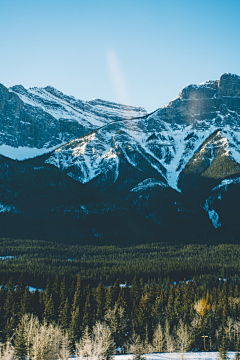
(165, 140)
(43, 118)
(190, 145)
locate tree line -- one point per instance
(152, 263)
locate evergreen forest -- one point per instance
(148, 298)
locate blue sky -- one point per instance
(140, 52)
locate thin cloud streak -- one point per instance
(117, 77)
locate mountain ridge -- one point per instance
(166, 166)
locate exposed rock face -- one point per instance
(165, 140)
(45, 118)
(199, 102)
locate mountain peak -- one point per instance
(229, 85)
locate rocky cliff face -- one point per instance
(45, 117)
(166, 140)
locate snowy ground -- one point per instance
(175, 356)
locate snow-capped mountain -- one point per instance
(190, 144)
(36, 120)
(178, 167)
(165, 140)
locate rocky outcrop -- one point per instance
(199, 102)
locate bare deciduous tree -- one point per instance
(158, 339)
(6, 351)
(170, 342)
(98, 345)
(183, 337)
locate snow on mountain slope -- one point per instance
(225, 183)
(148, 183)
(61, 106)
(166, 139)
(22, 152)
(166, 147)
(44, 118)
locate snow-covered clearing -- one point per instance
(173, 356)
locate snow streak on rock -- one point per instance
(213, 215)
(148, 183)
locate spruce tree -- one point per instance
(64, 316)
(88, 314)
(10, 304)
(20, 343)
(139, 350)
(135, 291)
(109, 298)
(48, 291)
(25, 304)
(75, 327)
(99, 298)
(56, 296)
(48, 313)
(223, 350)
(78, 295)
(237, 355)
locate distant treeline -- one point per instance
(157, 263)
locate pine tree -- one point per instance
(144, 316)
(75, 327)
(115, 291)
(48, 313)
(56, 296)
(10, 304)
(223, 350)
(138, 350)
(135, 292)
(88, 314)
(63, 296)
(237, 355)
(109, 298)
(25, 304)
(48, 291)
(20, 343)
(99, 298)
(78, 295)
(64, 316)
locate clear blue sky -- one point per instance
(141, 52)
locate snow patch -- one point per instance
(148, 183)
(23, 152)
(33, 289)
(225, 183)
(213, 215)
(6, 208)
(8, 257)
